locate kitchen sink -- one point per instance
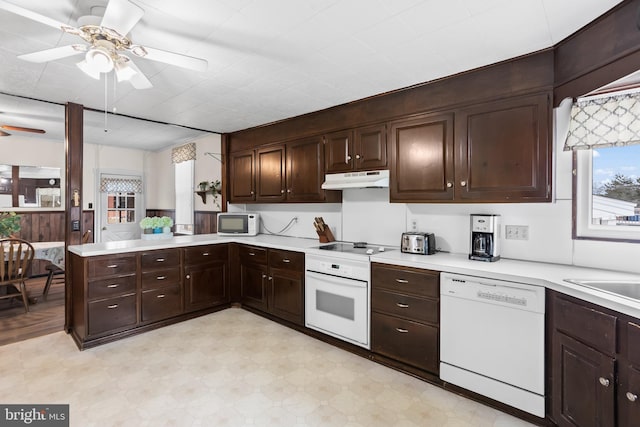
(624, 288)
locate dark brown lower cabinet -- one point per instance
(162, 303)
(272, 281)
(112, 314)
(595, 365)
(405, 315)
(206, 281)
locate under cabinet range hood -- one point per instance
(361, 179)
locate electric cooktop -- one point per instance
(354, 248)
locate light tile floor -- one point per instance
(230, 368)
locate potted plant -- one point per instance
(204, 185)
(9, 224)
(166, 223)
(147, 225)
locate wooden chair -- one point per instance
(55, 274)
(16, 256)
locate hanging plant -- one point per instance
(9, 224)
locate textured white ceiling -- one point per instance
(273, 59)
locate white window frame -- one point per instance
(583, 221)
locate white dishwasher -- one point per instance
(492, 339)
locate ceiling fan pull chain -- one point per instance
(106, 91)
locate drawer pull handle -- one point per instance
(205, 253)
(251, 254)
(160, 296)
(286, 260)
(161, 277)
(112, 306)
(631, 397)
(160, 260)
(113, 285)
(401, 305)
(112, 266)
(402, 281)
(604, 381)
(402, 331)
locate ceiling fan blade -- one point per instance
(121, 16)
(127, 70)
(34, 16)
(21, 129)
(177, 59)
(55, 53)
(2, 133)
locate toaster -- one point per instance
(416, 242)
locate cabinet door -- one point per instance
(253, 281)
(242, 174)
(286, 295)
(206, 285)
(629, 396)
(370, 146)
(338, 149)
(421, 166)
(504, 151)
(305, 171)
(583, 385)
(270, 181)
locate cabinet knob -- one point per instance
(348, 157)
(264, 276)
(401, 305)
(463, 183)
(449, 184)
(270, 278)
(358, 156)
(188, 276)
(604, 381)
(288, 190)
(282, 191)
(631, 397)
(402, 331)
(252, 192)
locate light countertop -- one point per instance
(548, 275)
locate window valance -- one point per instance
(604, 122)
(183, 153)
(120, 185)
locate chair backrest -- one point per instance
(86, 236)
(15, 259)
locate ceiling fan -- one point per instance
(107, 44)
(19, 129)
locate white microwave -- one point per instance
(238, 224)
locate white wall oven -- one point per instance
(337, 291)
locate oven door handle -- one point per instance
(336, 280)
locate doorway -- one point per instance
(121, 207)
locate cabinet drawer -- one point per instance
(159, 259)
(107, 288)
(406, 280)
(111, 314)
(203, 254)
(586, 324)
(408, 307)
(157, 278)
(252, 254)
(158, 304)
(286, 260)
(410, 342)
(111, 265)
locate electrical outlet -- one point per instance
(413, 224)
(516, 232)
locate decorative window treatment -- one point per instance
(120, 185)
(184, 173)
(604, 122)
(183, 153)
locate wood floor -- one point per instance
(44, 317)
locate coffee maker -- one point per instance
(485, 237)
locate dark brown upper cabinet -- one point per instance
(291, 172)
(363, 148)
(242, 167)
(503, 151)
(422, 159)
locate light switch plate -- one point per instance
(516, 232)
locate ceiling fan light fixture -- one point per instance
(99, 59)
(88, 70)
(123, 71)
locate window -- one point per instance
(121, 208)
